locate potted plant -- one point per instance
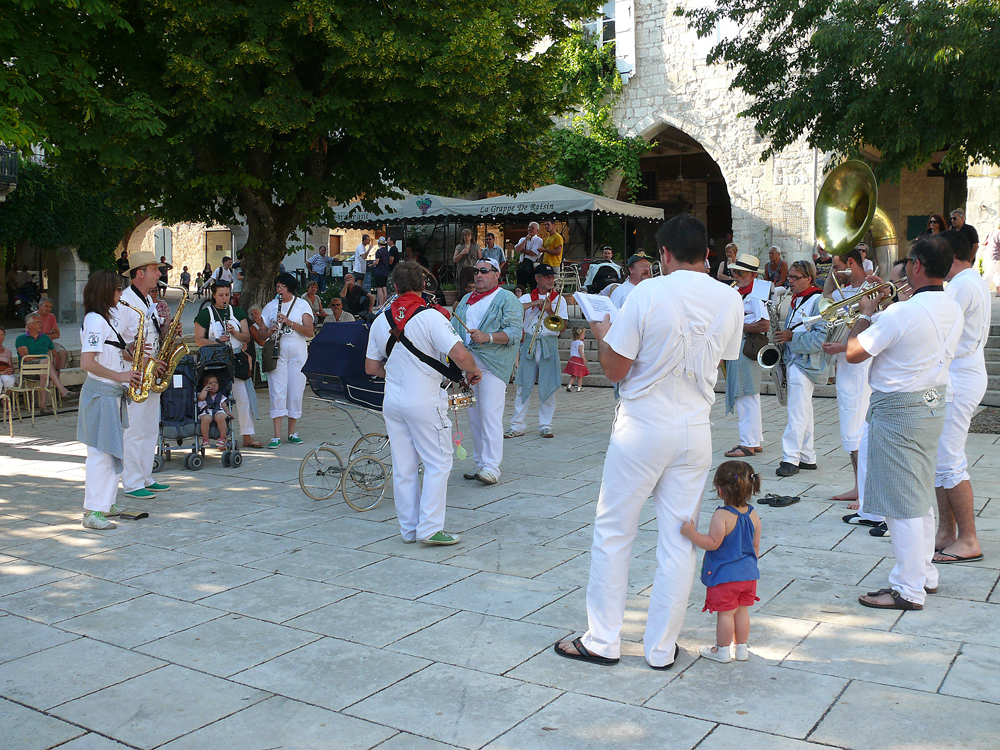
(450, 293)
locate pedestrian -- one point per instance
(576, 368)
(729, 569)
(186, 280)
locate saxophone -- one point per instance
(172, 349)
(139, 393)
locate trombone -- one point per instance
(552, 322)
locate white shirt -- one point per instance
(912, 343)
(130, 320)
(869, 267)
(97, 332)
(576, 349)
(621, 293)
(972, 293)
(292, 343)
(475, 313)
(754, 310)
(595, 267)
(407, 379)
(531, 315)
(222, 274)
(360, 264)
(647, 330)
(530, 249)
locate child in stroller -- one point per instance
(213, 407)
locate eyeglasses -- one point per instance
(796, 278)
(485, 270)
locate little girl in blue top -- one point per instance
(729, 569)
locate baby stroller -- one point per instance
(179, 409)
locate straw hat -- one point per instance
(140, 260)
(746, 262)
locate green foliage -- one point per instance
(266, 109)
(908, 77)
(48, 212)
(589, 148)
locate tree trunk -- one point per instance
(268, 229)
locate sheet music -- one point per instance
(761, 290)
(594, 306)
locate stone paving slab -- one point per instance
(244, 614)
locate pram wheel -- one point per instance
(157, 464)
(372, 444)
(193, 461)
(226, 459)
(364, 483)
(320, 473)
(237, 460)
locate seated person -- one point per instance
(213, 407)
(50, 327)
(356, 300)
(315, 303)
(338, 314)
(33, 344)
(7, 377)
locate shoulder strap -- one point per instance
(450, 371)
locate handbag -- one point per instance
(752, 345)
(241, 366)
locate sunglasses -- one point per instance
(795, 278)
(932, 221)
(485, 270)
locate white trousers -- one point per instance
(546, 410)
(140, 443)
(286, 385)
(486, 421)
(101, 484)
(967, 388)
(243, 406)
(913, 546)
(748, 416)
(677, 451)
(862, 475)
(797, 440)
(853, 394)
(419, 432)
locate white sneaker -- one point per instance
(115, 511)
(512, 433)
(721, 654)
(96, 520)
(741, 652)
(487, 477)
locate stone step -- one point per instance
(991, 398)
(992, 367)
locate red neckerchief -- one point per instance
(797, 299)
(552, 295)
(744, 291)
(476, 296)
(406, 304)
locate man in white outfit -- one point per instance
(852, 380)
(492, 319)
(143, 430)
(912, 344)
(542, 362)
(664, 347)
(956, 539)
(415, 407)
(361, 260)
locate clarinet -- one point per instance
(277, 334)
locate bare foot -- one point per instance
(854, 506)
(960, 549)
(944, 541)
(849, 495)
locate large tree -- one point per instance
(266, 109)
(908, 77)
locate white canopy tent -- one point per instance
(554, 200)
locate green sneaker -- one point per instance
(294, 439)
(157, 487)
(443, 539)
(115, 511)
(140, 494)
(275, 443)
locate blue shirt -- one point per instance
(735, 559)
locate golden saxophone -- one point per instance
(138, 393)
(172, 349)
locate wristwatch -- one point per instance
(865, 317)
(491, 338)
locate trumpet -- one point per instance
(552, 322)
(846, 311)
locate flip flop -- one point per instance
(957, 558)
(768, 499)
(582, 654)
(254, 444)
(739, 452)
(783, 501)
(856, 520)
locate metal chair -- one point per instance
(35, 370)
(8, 412)
(570, 277)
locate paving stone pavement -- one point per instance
(242, 614)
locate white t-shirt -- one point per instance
(407, 379)
(531, 249)
(220, 323)
(474, 314)
(97, 332)
(754, 310)
(576, 349)
(222, 274)
(869, 267)
(293, 344)
(912, 343)
(360, 264)
(621, 293)
(531, 315)
(129, 320)
(972, 293)
(648, 330)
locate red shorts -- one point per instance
(729, 596)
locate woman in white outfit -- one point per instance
(290, 319)
(221, 323)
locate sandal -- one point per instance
(783, 501)
(46, 412)
(740, 452)
(898, 602)
(582, 654)
(253, 444)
